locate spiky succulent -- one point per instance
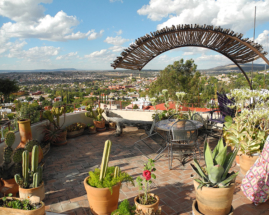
(17, 155)
(10, 138)
(7, 154)
(30, 144)
(218, 164)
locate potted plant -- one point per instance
(147, 201)
(124, 209)
(75, 129)
(215, 185)
(11, 205)
(103, 185)
(54, 133)
(248, 130)
(31, 183)
(98, 119)
(92, 129)
(9, 169)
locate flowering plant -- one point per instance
(146, 182)
(180, 96)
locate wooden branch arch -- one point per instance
(223, 41)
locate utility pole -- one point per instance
(253, 41)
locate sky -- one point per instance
(90, 34)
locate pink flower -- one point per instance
(147, 174)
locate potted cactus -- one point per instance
(29, 147)
(98, 119)
(9, 169)
(103, 185)
(75, 129)
(92, 129)
(215, 185)
(54, 133)
(31, 183)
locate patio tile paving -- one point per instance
(67, 166)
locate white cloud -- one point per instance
(31, 22)
(103, 55)
(115, 1)
(117, 48)
(119, 32)
(214, 59)
(94, 35)
(67, 56)
(188, 53)
(237, 15)
(263, 39)
(43, 53)
(116, 41)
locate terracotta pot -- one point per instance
(99, 124)
(246, 162)
(92, 130)
(195, 210)
(28, 193)
(100, 199)
(214, 201)
(11, 211)
(25, 131)
(62, 140)
(9, 186)
(72, 134)
(145, 208)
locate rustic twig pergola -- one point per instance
(223, 41)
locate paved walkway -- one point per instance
(67, 166)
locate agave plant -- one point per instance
(218, 164)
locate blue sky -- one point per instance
(90, 34)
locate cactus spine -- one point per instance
(105, 159)
(116, 172)
(25, 167)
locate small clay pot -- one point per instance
(28, 193)
(101, 201)
(99, 124)
(92, 130)
(145, 208)
(246, 162)
(9, 186)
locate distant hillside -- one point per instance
(40, 70)
(233, 68)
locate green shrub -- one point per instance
(11, 116)
(124, 209)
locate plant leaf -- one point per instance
(230, 162)
(208, 157)
(221, 157)
(228, 180)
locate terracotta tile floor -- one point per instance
(67, 166)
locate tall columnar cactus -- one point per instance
(116, 171)
(218, 164)
(30, 178)
(105, 159)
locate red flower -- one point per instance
(147, 174)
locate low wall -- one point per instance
(37, 128)
(132, 114)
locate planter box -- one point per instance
(73, 134)
(11, 211)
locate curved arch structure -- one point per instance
(223, 41)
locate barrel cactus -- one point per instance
(218, 164)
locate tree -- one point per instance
(7, 87)
(41, 98)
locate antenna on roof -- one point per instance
(253, 42)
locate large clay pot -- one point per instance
(195, 210)
(28, 193)
(62, 140)
(25, 132)
(100, 199)
(12, 211)
(99, 124)
(146, 208)
(214, 201)
(9, 186)
(246, 162)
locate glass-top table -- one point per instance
(165, 125)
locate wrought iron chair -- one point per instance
(155, 136)
(217, 117)
(204, 131)
(184, 136)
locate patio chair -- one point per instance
(153, 135)
(204, 130)
(217, 117)
(184, 135)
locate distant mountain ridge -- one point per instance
(39, 70)
(233, 68)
